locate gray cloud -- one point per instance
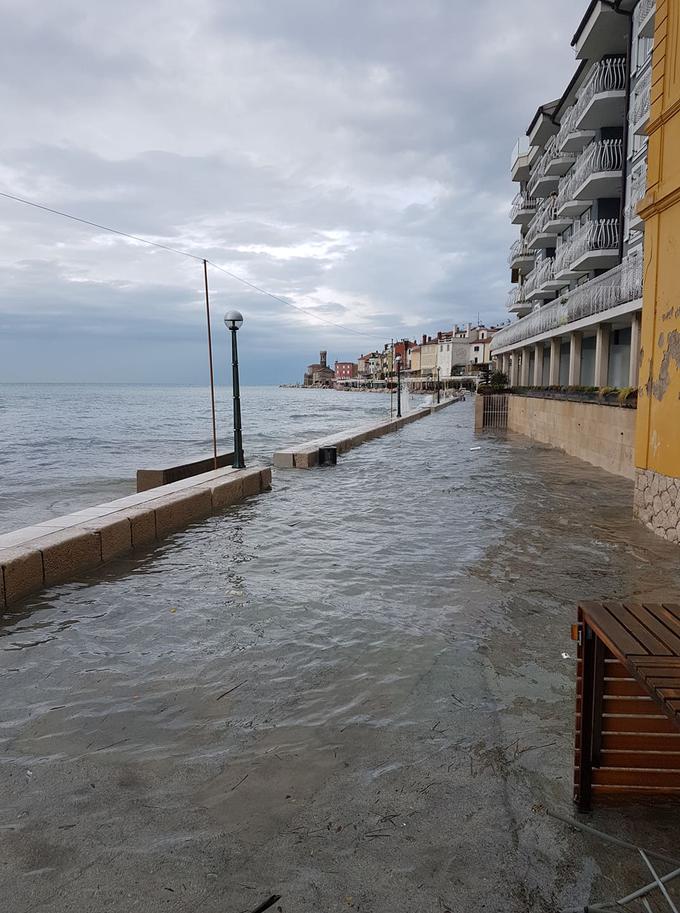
(351, 158)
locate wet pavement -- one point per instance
(355, 692)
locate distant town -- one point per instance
(461, 356)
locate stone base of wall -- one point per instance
(657, 503)
(599, 434)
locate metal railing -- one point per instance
(521, 148)
(617, 286)
(517, 298)
(600, 234)
(546, 211)
(522, 201)
(543, 272)
(606, 76)
(603, 156)
(642, 98)
(551, 152)
(644, 9)
(519, 249)
(638, 188)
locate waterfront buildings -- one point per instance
(345, 370)
(319, 374)
(576, 266)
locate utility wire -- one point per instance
(182, 253)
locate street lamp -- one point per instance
(439, 371)
(398, 361)
(233, 322)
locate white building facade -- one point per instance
(577, 265)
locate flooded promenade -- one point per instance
(355, 692)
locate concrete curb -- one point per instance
(59, 550)
(306, 455)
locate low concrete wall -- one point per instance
(154, 478)
(306, 455)
(59, 550)
(599, 434)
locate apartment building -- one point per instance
(576, 267)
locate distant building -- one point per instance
(319, 375)
(346, 370)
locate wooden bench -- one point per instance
(627, 701)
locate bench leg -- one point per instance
(588, 700)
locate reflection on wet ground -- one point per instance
(355, 692)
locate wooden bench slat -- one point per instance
(619, 640)
(647, 615)
(640, 631)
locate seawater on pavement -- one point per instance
(355, 692)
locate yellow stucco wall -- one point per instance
(657, 444)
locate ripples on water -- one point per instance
(314, 693)
(68, 446)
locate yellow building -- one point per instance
(657, 454)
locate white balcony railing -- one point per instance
(606, 76)
(519, 249)
(517, 299)
(566, 127)
(601, 234)
(551, 152)
(642, 98)
(638, 188)
(546, 211)
(521, 202)
(603, 156)
(644, 10)
(543, 272)
(617, 286)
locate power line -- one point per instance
(183, 253)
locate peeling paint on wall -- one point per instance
(672, 354)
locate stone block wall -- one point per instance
(657, 503)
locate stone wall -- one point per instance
(657, 503)
(598, 434)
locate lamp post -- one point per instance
(398, 360)
(233, 322)
(439, 397)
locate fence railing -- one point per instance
(521, 202)
(600, 234)
(543, 272)
(642, 98)
(638, 188)
(603, 156)
(549, 155)
(606, 76)
(517, 298)
(519, 249)
(617, 286)
(546, 211)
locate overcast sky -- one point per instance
(351, 156)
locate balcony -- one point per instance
(541, 284)
(521, 257)
(569, 139)
(598, 173)
(603, 32)
(547, 173)
(519, 161)
(602, 100)
(638, 189)
(647, 15)
(546, 225)
(517, 303)
(639, 116)
(621, 285)
(523, 209)
(593, 246)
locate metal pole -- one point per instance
(239, 461)
(399, 389)
(210, 359)
(439, 389)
